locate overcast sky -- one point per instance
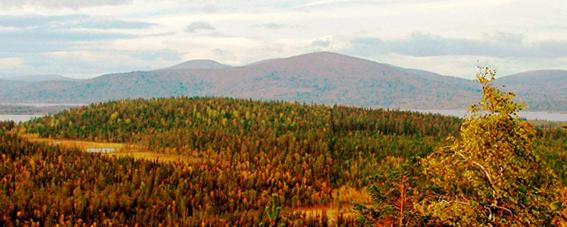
(86, 38)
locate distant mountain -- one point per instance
(198, 64)
(37, 78)
(542, 89)
(322, 77)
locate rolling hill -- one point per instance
(322, 77)
(542, 89)
(311, 158)
(199, 64)
(240, 154)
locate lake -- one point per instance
(17, 118)
(530, 115)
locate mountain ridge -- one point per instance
(198, 64)
(321, 77)
(542, 89)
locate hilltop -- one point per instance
(311, 162)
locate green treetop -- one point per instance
(491, 174)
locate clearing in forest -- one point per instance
(114, 149)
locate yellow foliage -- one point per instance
(492, 173)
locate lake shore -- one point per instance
(24, 112)
(529, 115)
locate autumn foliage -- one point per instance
(252, 153)
(498, 171)
(492, 173)
(264, 163)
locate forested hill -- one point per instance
(245, 155)
(246, 151)
(134, 120)
(324, 78)
(252, 129)
(187, 125)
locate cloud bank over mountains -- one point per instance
(74, 4)
(91, 37)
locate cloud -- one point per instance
(155, 55)
(464, 65)
(271, 26)
(199, 26)
(224, 54)
(134, 57)
(73, 4)
(10, 63)
(69, 21)
(37, 33)
(329, 43)
(451, 32)
(88, 63)
(114, 24)
(321, 43)
(44, 40)
(498, 45)
(323, 2)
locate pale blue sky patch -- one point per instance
(57, 4)
(422, 45)
(41, 40)
(271, 26)
(69, 21)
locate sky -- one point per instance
(88, 38)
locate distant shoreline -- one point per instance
(44, 104)
(559, 116)
(19, 117)
(24, 112)
(34, 109)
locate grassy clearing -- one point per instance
(121, 150)
(343, 200)
(82, 145)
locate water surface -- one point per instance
(18, 118)
(530, 115)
